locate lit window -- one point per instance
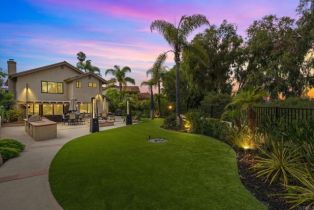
(47, 109)
(30, 109)
(57, 109)
(44, 87)
(36, 109)
(33, 109)
(92, 84)
(60, 87)
(78, 84)
(52, 87)
(85, 107)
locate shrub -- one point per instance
(196, 121)
(210, 127)
(304, 194)
(279, 163)
(13, 115)
(170, 122)
(8, 153)
(213, 104)
(10, 143)
(299, 131)
(247, 139)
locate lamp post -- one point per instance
(26, 100)
(94, 124)
(128, 120)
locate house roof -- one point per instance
(85, 75)
(144, 96)
(63, 63)
(131, 89)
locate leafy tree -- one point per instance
(176, 36)
(120, 76)
(86, 65)
(2, 77)
(213, 57)
(275, 57)
(150, 83)
(157, 71)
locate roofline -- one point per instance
(87, 74)
(45, 67)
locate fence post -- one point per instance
(277, 113)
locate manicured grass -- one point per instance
(118, 169)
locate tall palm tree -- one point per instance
(120, 76)
(157, 72)
(86, 65)
(176, 36)
(150, 83)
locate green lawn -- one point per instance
(118, 169)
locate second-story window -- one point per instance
(51, 87)
(92, 84)
(78, 84)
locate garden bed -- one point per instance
(268, 194)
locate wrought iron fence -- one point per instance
(287, 115)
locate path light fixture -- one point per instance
(94, 124)
(128, 119)
(26, 100)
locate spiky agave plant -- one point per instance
(301, 195)
(280, 162)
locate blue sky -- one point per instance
(42, 32)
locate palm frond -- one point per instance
(110, 71)
(126, 69)
(117, 67)
(129, 80)
(149, 72)
(112, 81)
(189, 23)
(168, 30)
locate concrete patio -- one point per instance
(24, 180)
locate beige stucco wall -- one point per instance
(33, 80)
(70, 92)
(84, 93)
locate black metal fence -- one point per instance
(213, 111)
(288, 115)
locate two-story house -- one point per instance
(55, 89)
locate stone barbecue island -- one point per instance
(40, 128)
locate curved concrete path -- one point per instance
(24, 180)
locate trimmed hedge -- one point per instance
(10, 143)
(10, 148)
(8, 153)
(210, 127)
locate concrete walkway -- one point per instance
(24, 180)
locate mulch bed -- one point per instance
(267, 194)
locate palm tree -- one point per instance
(150, 83)
(176, 36)
(245, 101)
(86, 65)
(120, 76)
(157, 72)
(2, 77)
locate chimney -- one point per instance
(11, 81)
(11, 67)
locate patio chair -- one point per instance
(72, 119)
(64, 119)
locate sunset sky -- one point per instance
(42, 32)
